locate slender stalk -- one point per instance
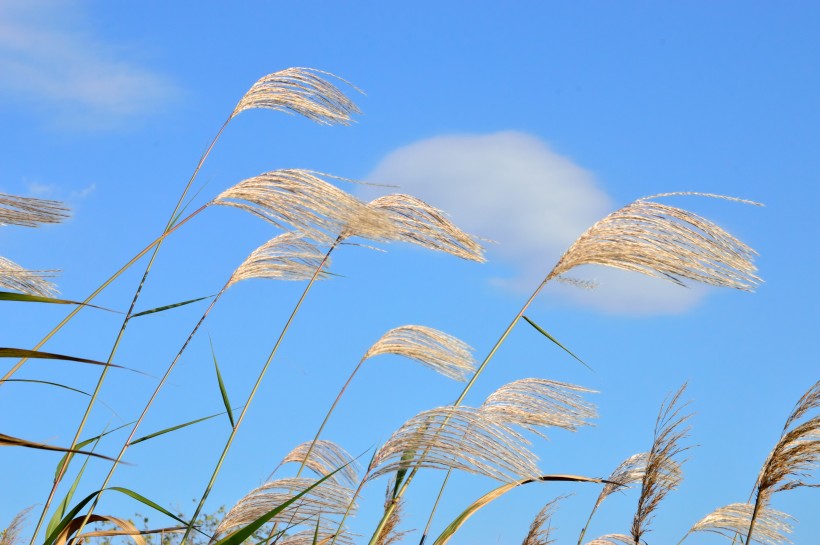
(390, 508)
(586, 526)
(168, 228)
(150, 402)
(253, 392)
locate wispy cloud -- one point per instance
(512, 188)
(50, 59)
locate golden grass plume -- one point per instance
(533, 403)
(540, 529)
(772, 526)
(325, 458)
(284, 257)
(300, 91)
(461, 438)
(662, 471)
(12, 533)
(665, 242)
(439, 351)
(16, 278)
(301, 200)
(30, 212)
(419, 223)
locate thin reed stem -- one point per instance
(247, 403)
(169, 227)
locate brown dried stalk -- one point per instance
(419, 223)
(16, 278)
(662, 472)
(462, 438)
(533, 402)
(443, 353)
(30, 212)
(301, 91)
(664, 242)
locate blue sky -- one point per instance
(526, 123)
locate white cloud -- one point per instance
(48, 58)
(512, 188)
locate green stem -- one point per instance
(252, 394)
(169, 227)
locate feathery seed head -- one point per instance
(303, 200)
(15, 277)
(462, 438)
(533, 403)
(30, 212)
(301, 91)
(325, 458)
(419, 223)
(441, 352)
(665, 242)
(285, 257)
(771, 526)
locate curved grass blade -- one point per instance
(142, 499)
(554, 340)
(59, 511)
(33, 381)
(497, 493)
(26, 298)
(173, 428)
(36, 354)
(222, 389)
(9, 441)
(82, 444)
(167, 307)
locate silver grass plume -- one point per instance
(284, 257)
(612, 539)
(662, 473)
(301, 91)
(16, 278)
(325, 458)
(311, 537)
(461, 438)
(533, 403)
(323, 502)
(795, 456)
(443, 353)
(771, 529)
(303, 200)
(419, 223)
(30, 212)
(540, 529)
(391, 533)
(664, 242)
(11, 535)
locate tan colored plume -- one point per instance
(304, 201)
(612, 539)
(461, 438)
(325, 458)
(391, 534)
(533, 403)
(664, 242)
(771, 529)
(419, 223)
(322, 502)
(285, 257)
(16, 278)
(301, 91)
(30, 212)
(441, 352)
(11, 535)
(540, 528)
(662, 471)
